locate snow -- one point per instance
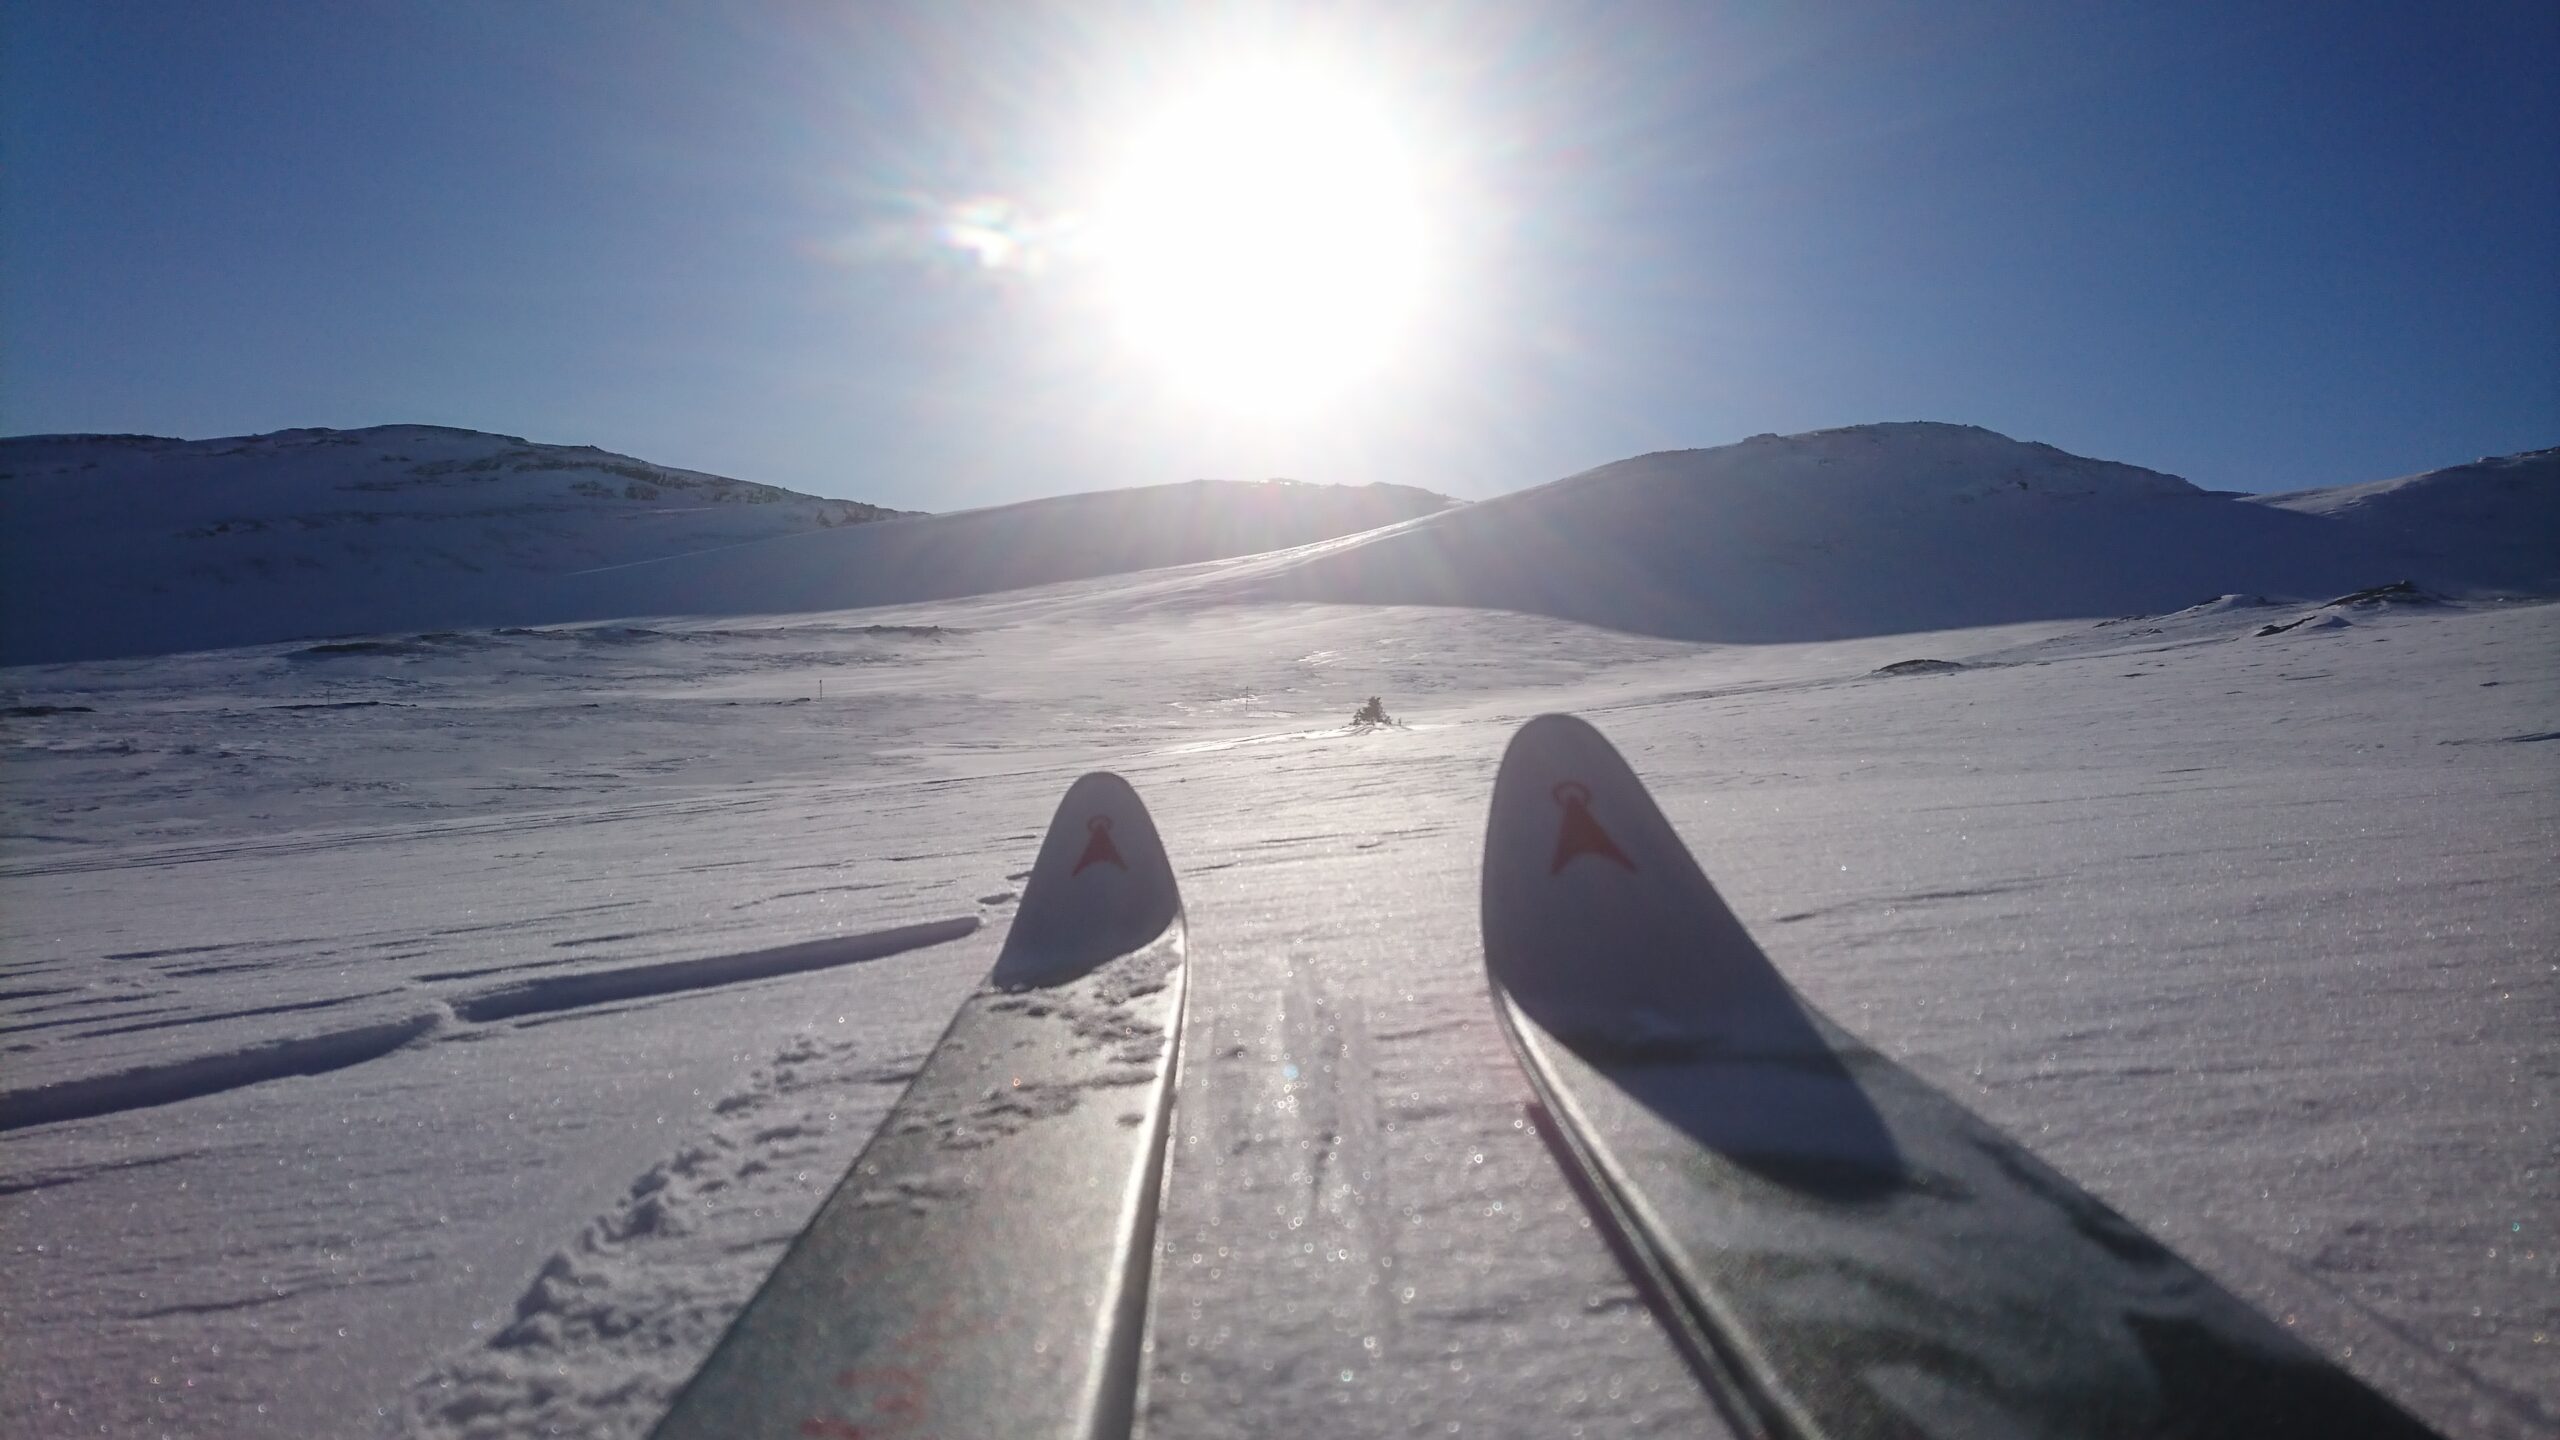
(2249, 933)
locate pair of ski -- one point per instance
(1837, 1248)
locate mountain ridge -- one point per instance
(1918, 526)
(128, 545)
(1903, 526)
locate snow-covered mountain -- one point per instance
(2495, 520)
(1874, 529)
(1904, 527)
(1005, 547)
(132, 544)
(128, 544)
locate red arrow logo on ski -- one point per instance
(1098, 848)
(1579, 834)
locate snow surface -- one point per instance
(345, 988)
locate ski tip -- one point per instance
(1566, 802)
(1595, 914)
(1101, 887)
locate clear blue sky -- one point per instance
(2263, 246)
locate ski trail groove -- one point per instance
(640, 982)
(148, 1085)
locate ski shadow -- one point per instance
(1754, 1079)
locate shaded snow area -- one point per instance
(2252, 935)
(440, 1031)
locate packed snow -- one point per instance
(439, 1031)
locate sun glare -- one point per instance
(1264, 240)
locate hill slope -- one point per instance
(133, 544)
(1903, 527)
(2496, 520)
(122, 545)
(127, 545)
(1008, 547)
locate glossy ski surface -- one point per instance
(1843, 1251)
(982, 1268)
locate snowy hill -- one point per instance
(130, 545)
(2496, 519)
(1007, 547)
(1903, 527)
(133, 544)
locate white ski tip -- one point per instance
(1601, 933)
(1101, 888)
(1597, 922)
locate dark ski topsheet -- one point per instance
(1844, 1251)
(982, 1268)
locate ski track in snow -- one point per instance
(168, 1082)
(2248, 933)
(163, 1080)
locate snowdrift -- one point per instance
(1907, 527)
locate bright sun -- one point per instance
(1264, 240)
